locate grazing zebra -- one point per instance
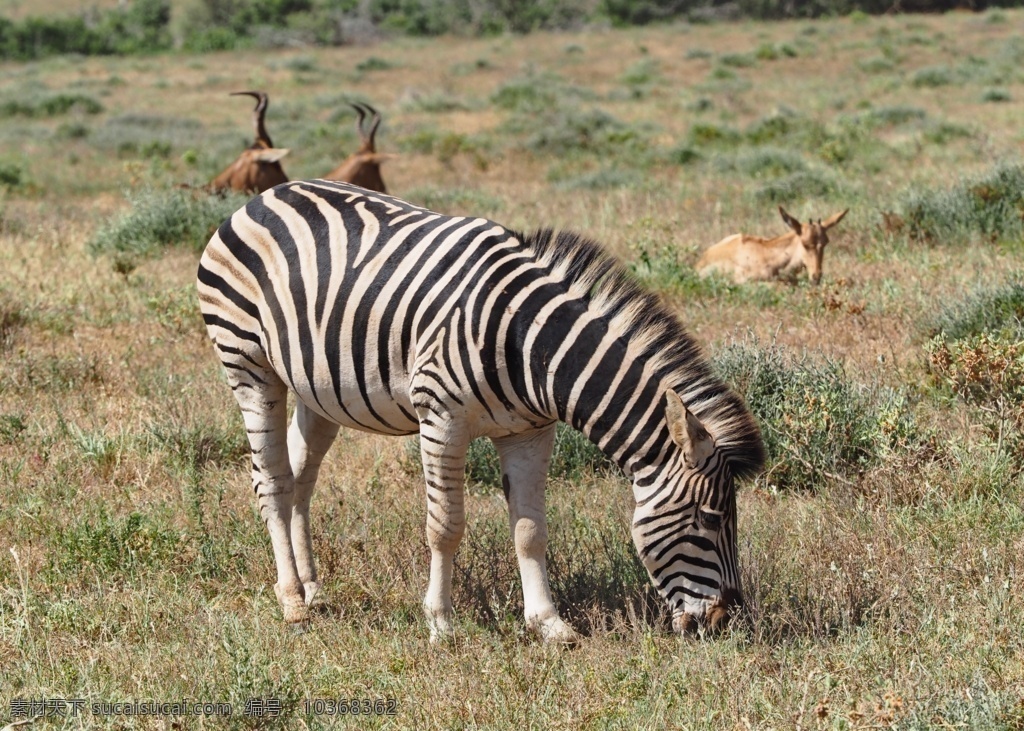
(386, 317)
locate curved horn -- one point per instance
(373, 127)
(262, 100)
(361, 118)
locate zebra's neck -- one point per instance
(592, 349)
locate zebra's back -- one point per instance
(337, 289)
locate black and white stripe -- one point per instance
(390, 318)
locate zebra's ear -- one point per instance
(687, 431)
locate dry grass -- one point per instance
(128, 540)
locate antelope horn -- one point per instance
(373, 126)
(262, 100)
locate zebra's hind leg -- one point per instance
(263, 399)
(524, 467)
(309, 438)
(443, 449)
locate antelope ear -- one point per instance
(687, 431)
(833, 220)
(790, 221)
(270, 154)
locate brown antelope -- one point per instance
(747, 258)
(258, 167)
(362, 167)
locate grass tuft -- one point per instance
(158, 219)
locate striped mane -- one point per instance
(656, 334)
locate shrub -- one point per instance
(568, 130)
(930, 78)
(817, 423)
(373, 63)
(997, 310)
(159, 219)
(764, 162)
(11, 175)
(708, 135)
(784, 124)
(987, 372)
(989, 205)
(996, 95)
(797, 186)
(49, 105)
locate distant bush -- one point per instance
(762, 162)
(48, 105)
(989, 206)
(708, 135)
(998, 309)
(11, 175)
(139, 27)
(797, 186)
(818, 424)
(932, 77)
(158, 219)
(996, 95)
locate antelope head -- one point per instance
(259, 166)
(362, 167)
(813, 237)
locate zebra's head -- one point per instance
(684, 527)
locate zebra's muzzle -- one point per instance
(715, 620)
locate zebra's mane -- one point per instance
(658, 337)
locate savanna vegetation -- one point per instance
(882, 549)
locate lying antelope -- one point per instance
(362, 167)
(748, 258)
(258, 167)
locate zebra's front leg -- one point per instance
(524, 467)
(309, 438)
(443, 449)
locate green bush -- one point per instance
(996, 95)
(797, 186)
(989, 206)
(767, 162)
(139, 27)
(930, 78)
(48, 105)
(998, 310)
(158, 219)
(11, 175)
(818, 424)
(713, 135)
(986, 371)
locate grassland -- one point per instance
(882, 551)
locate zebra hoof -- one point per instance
(312, 591)
(556, 632)
(441, 636)
(293, 607)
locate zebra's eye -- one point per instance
(711, 521)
